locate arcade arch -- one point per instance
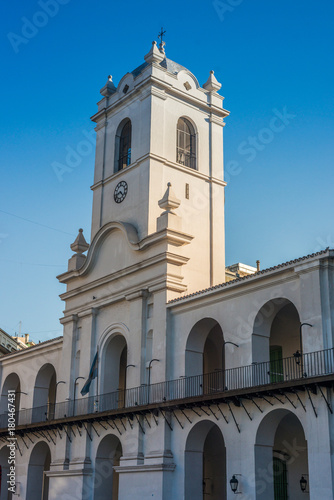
(106, 483)
(204, 348)
(113, 372)
(276, 336)
(204, 355)
(12, 382)
(281, 457)
(44, 393)
(39, 464)
(205, 463)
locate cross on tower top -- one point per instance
(161, 35)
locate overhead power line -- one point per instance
(32, 263)
(37, 223)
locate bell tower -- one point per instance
(160, 136)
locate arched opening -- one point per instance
(5, 494)
(280, 457)
(275, 337)
(106, 483)
(44, 394)
(39, 464)
(123, 145)
(204, 357)
(205, 463)
(113, 373)
(186, 143)
(11, 383)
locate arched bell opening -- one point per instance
(123, 145)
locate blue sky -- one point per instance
(273, 59)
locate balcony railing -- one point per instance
(305, 367)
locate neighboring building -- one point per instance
(240, 270)
(7, 343)
(203, 385)
(24, 341)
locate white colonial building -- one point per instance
(208, 384)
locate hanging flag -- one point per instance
(92, 375)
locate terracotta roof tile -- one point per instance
(250, 276)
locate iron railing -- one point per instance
(294, 368)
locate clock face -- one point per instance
(120, 191)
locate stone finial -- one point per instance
(169, 219)
(212, 83)
(79, 246)
(154, 55)
(109, 88)
(169, 200)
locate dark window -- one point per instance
(280, 479)
(124, 157)
(186, 143)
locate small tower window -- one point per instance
(186, 143)
(124, 156)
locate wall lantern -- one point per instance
(234, 483)
(303, 483)
(297, 357)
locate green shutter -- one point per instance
(276, 364)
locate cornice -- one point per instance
(139, 294)
(237, 289)
(145, 468)
(161, 159)
(71, 318)
(188, 170)
(217, 121)
(288, 271)
(89, 312)
(69, 472)
(154, 91)
(161, 282)
(170, 90)
(167, 257)
(171, 236)
(307, 267)
(168, 284)
(164, 87)
(50, 346)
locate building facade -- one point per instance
(7, 343)
(202, 386)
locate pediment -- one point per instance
(126, 84)
(113, 248)
(185, 76)
(118, 258)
